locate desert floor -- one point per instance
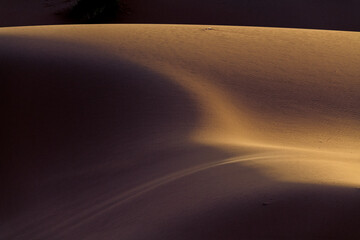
(180, 132)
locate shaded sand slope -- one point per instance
(180, 132)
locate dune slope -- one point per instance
(180, 132)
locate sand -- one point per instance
(180, 132)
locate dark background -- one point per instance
(314, 14)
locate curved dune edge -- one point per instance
(165, 105)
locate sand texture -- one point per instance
(179, 132)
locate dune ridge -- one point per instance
(200, 132)
(322, 14)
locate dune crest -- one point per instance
(136, 131)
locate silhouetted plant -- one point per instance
(94, 11)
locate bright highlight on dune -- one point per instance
(181, 132)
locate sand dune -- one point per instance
(180, 132)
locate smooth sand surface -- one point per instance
(180, 132)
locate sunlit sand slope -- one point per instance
(180, 132)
